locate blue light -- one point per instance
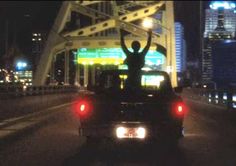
(222, 4)
(227, 41)
(21, 65)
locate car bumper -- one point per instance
(152, 131)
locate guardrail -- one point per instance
(225, 98)
(18, 91)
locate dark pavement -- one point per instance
(210, 139)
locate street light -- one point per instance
(147, 23)
(152, 23)
(21, 65)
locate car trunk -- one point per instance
(123, 107)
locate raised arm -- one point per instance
(146, 48)
(122, 42)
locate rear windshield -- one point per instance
(153, 81)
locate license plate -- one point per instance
(131, 133)
(126, 132)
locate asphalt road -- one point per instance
(210, 139)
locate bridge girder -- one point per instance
(111, 23)
(57, 40)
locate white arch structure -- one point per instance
(60, 41)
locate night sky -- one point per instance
(25, 16)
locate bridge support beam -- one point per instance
(86, 75)
(52, 71)
(171, 57)
(93, 70)
(77, 75)
(67, 67)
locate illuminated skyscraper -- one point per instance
(220, 24)
(38, 41)
(180, 46)
(221, 19)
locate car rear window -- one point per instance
(156, 81)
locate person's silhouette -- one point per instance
(135, 60)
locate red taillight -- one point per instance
(83, 108)
(179, 109)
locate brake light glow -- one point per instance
(179, 109)
(83, 108)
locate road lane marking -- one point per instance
(14, 120)
(28, 120)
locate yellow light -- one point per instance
(147, 23)
(169, 69)
(123, 76)
(24, 87)
(152, 81)
(102, 61)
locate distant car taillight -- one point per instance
(83, 108)
(179, 109)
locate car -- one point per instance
(110, 110)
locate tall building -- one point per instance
(180, 50)
(184, 60)
(221, 17)
(224, 63)
(220, 24)
(38, 41)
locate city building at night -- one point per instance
(23, 73)
(38, 41)
(224, 63)
(25, 77)
(220, 25)
(180, 45)
(221, 17)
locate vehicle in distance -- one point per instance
(154, 112)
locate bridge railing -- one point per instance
(17, 91)
(225, 98)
